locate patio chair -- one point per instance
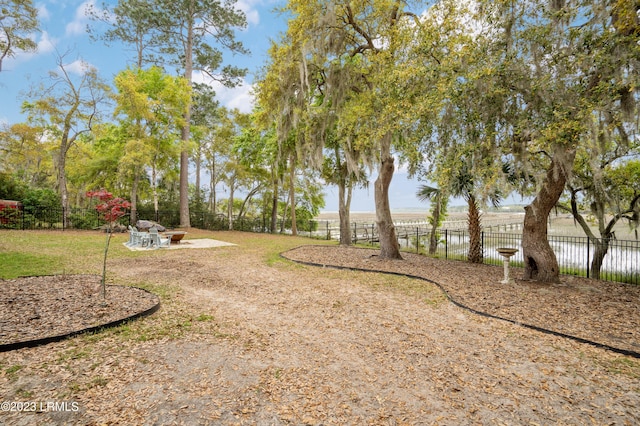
(134, 238)
(156, 240)
(137, 238)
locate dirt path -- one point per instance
(269, 343)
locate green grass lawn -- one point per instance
(28, 253)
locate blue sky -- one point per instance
(63, 24)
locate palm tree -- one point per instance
(438, 211)
(465, 185)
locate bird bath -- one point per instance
(506, 253)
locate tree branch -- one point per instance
(352, 22)
(577, 216)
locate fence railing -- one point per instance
(33, 218)
(575, 254)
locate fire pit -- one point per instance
(176, 236)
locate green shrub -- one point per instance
(80, 221)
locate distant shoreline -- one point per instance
(560, 224)
(414, 214)
(360, 216)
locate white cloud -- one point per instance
(249, 9)
(82, 12)
(43, 13)
(46, 44)
(78, 67)
(74, 28)
(240, 97)
(80, 19)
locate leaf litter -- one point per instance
(243, 342)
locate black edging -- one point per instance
(45, 340)
(475, 311)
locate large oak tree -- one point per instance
(557, 62)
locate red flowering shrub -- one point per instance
(111, 209)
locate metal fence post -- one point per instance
(355, 232)
(446, 243)
(588, 255)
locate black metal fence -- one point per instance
(575, 254)
(33, 218)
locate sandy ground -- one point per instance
(244, 339)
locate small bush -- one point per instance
(80, 221)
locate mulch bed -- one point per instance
(601, 313)
(34, 309)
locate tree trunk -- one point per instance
(154, 191)
(65, 143)
(292, 195)
(475, 232)
(185, 221)
(344, 204)
(601, 244)
(230, 206)
(274, 206)
(198, 161)
(284, 213)
(435, 220)
(389, 247)
(540, 261)
(212, 185)
(247, 199)
(62, 186)
(602, 247)
(133, 214)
